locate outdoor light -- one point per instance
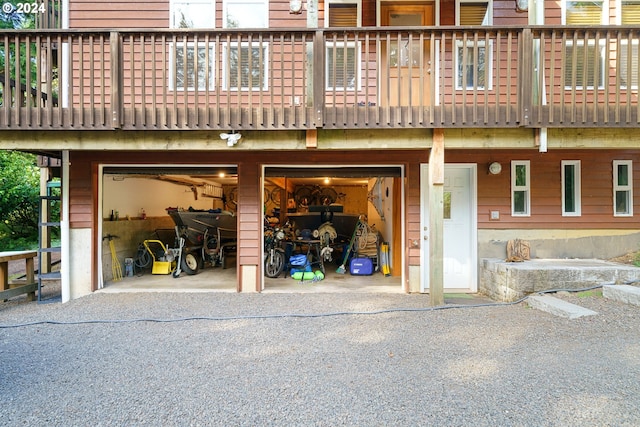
(522, 5)
(295, 6)
(495, 168)
(232, 138)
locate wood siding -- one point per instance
(494, 191)
(118, 13)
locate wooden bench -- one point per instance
(6, 291)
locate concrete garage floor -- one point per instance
(224, 280)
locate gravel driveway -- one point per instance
(483, 366)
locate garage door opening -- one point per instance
(168, 228)
(341, 225)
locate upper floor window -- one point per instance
(571, 203)
(343, 13)
(584, 59)
(520, 188)
(342, 59)
(245, 14)
(245, 66)
(192, 64)
(343, 66)
(628, 50)
(584, 13)
(192, 14)
(473, 58)
(584, 64)
(474, 12)
(622, 188)
(629, 12)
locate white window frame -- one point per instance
(179, 46)
(489, 16)
(341, 45)
(521, 188)
(358, 4)
(488, 65)
(628, 189)
(604, 16)
(635, 54)
(619, 7)
(577, 187)
(174, 5)
(226, 66)
(251, 7)
(600, 49)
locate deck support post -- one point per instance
(436, 219)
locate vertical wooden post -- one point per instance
(317, 77)
(116, 80)
(436, 219)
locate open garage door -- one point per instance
(335, 216)
(161, 227)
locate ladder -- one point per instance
(46, 224)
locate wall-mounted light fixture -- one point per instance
(295, 6)
(495, 168)
(522, 5)
(232, 138)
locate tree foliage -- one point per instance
(19, 198)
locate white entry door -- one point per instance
(460, 228)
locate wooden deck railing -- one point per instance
(329, 78)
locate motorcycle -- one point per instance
(274, 255)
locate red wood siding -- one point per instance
(494, 191)
(118, 14)
(81, 192)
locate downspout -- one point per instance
(65, 252)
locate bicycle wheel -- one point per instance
(329, 195)
(275, 196)
(274, 264)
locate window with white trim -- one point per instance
(192, 72)
(192, 66)
(245, 66)
(584, 65)
(628, 64)
(245, 14)
(474, 12)
(343, 13)
(629, 12)
(584, 13)
(628, 50)
(584, 62)
(571, 188)
(473, 59)
(520, 188)
(342, 59)
(192, 14)
(622, 188)
(343, 66)
(473, 65)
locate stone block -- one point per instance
(623, 293)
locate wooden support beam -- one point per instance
(312, 138)
(436, 219)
